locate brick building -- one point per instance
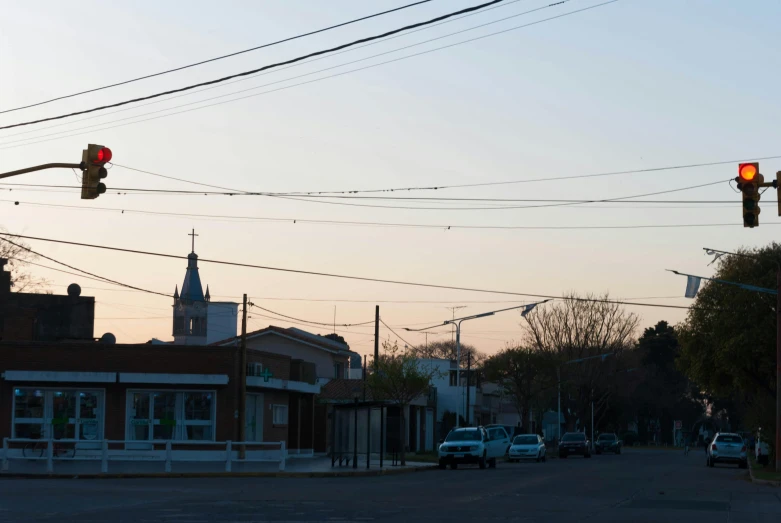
(44, 317)
(144, 394)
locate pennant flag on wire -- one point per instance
(526, 310)
(692, 286)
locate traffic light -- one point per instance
(749, 181)
(93, 158)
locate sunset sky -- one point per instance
(635, 84)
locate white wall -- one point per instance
(221, 322)
(450, 398)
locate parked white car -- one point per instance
(527, 446)
(727, 448)
(473, 445)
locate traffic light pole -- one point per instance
(778, 371)
(41, 168)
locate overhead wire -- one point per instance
(330, 76)
(330, 275)
(353, 223)
(313, 322)
(94, 276)
(507, 3)
(168, 71)
(259, 69)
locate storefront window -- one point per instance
(61, 413)
(172, 415)
(88, 416)
(164, 421)
(138, 428)
(198, 416)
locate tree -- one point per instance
(524, 375)
(665, 393)
(447, 350)
(728, 340)
(398, 378)
(19, 257)
(581, 327)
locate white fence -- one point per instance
(134, 451)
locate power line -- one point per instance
(410, 345)
(314, 322)
(322, 78)
(264, 68)
(217, 58)
(94, 276)
(331, 275)
(439, 187)
(348, 223)
(315, 199)
(298, 64)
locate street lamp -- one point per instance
(457, 322)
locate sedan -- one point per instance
(574, 443)
(528, 446)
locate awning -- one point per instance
(60, 376)
(173, 379)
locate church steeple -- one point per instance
(190, 307)
(207, 296)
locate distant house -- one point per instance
(328, 360)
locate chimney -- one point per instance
(5, 278)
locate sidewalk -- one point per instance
(294, 467)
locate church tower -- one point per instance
(191, 306)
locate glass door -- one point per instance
(254, 417)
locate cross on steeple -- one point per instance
(193, 235)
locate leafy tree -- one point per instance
(525, 376)
(729, 337)
(397, 377)
(19, 257)
(665, 392)
(582, 327)
(446, 349)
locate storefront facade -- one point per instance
(145, 394)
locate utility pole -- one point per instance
(243, 382)
(778, 366)
(376, 336)
(468, 383)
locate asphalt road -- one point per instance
(637, 486)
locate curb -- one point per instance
(168, 475)
(761, 481)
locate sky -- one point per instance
(635, 84)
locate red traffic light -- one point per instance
(746, 171)
(104, 155)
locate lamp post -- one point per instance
(457, 322)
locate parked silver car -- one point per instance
(527, 446)
(727, 448)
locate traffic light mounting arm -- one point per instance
(41, 168)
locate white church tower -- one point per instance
(197, 319)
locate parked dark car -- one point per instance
(608, 442)
(574, 443)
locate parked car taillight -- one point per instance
(713, 447)
(743, 449)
